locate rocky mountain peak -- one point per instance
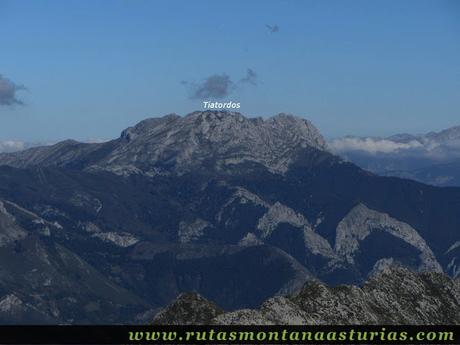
(216, 125)
(225, 138)
(175, 144)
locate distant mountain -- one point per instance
(9, 146)
(393, 296)
(432, 158)
(441, 174)
(237, 209)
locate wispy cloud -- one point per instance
(8, 92)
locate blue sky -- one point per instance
(92, 68)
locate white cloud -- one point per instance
(12, 146)
(371, 145)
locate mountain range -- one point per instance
(432, 158)
(237, 209)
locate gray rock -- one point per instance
(395, 296)
(157, 145)
(188, 309)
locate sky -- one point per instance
(87, 69)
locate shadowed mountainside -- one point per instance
(235, 208)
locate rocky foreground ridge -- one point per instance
(394, 296)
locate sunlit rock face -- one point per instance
(178, 144)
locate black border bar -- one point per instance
(212, 334)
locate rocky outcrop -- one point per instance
(188, 309)
(361, 222)
(395, 296)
